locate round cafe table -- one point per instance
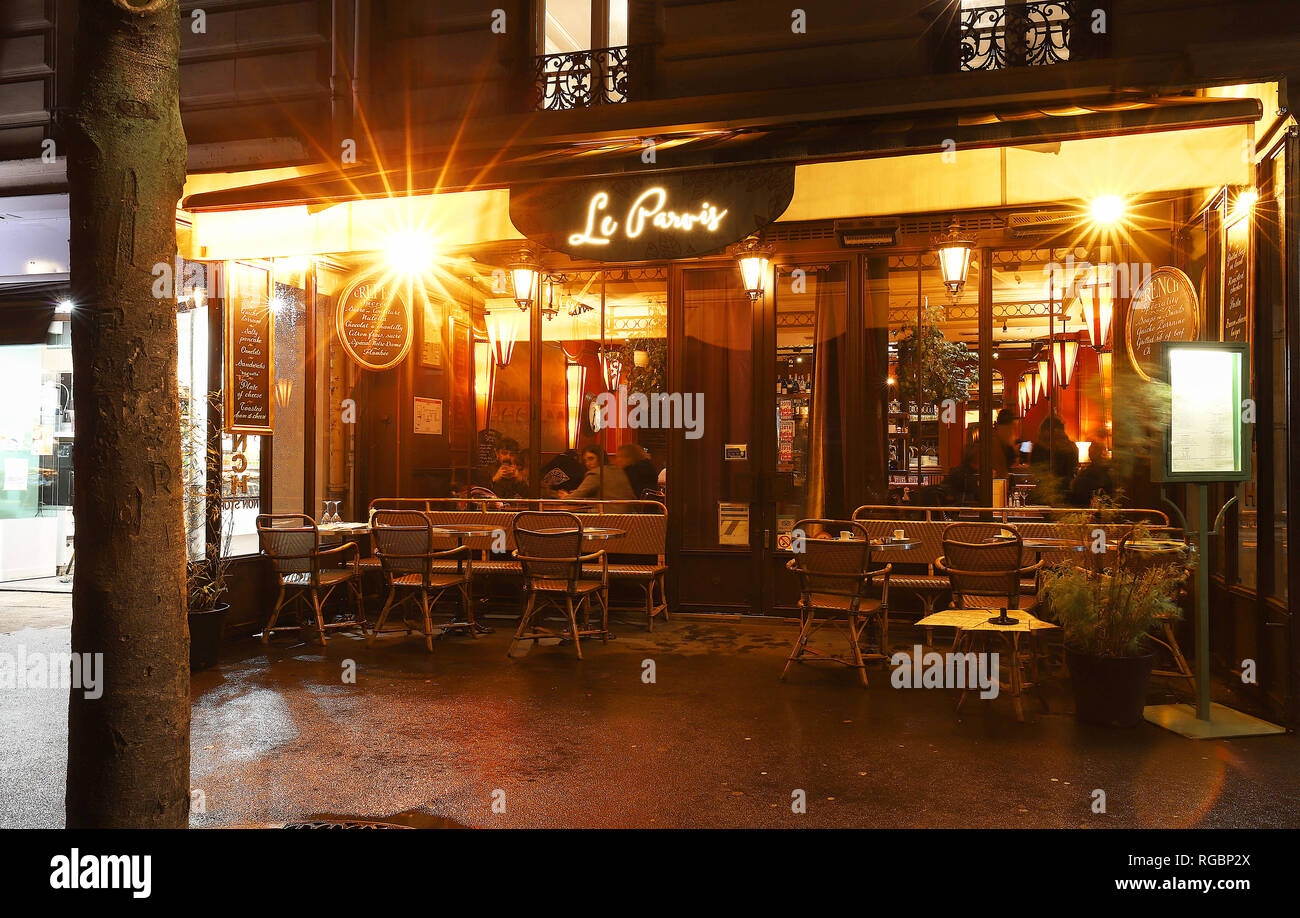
(460, 532)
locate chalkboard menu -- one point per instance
(1165, 308)
(373, 322)
(249, 342)
(1236, 282)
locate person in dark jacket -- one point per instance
(1054, 479)
(637, 466)
(1096, 479)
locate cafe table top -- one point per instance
(588, 532)
(978, 620)
(465, 530)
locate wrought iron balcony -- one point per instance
(581, 79)
(1018, 34)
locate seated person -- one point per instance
(961, 485)
(511, 476)
(615, 486)
(1096, 479)
(638, 468)
(563, 473)
(1054, 481)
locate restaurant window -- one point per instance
(290, 449)
(812, 446)
(929, 336)
(583, 55)
(336, 421)
(603, 354)
(241, 454)
(502, 361)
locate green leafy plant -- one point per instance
(945, 366)
(653, 376)
(206, 568)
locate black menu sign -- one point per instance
(1165, 308)
(373, 321)
(249, 341)
(652, 216)
(1236, 282)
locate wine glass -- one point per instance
(325, 513)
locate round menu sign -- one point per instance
(373, 321)
(1165, 308)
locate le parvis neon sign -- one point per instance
(648, 208)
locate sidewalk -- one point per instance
(716, 740)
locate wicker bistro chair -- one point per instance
(1172, 556)
(834, 579)
(984, 563)
(413, 568)
(292, 543)
(548, 547)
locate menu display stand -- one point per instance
(1205, 441)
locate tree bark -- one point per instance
(128, 751)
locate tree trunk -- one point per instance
(128, 751)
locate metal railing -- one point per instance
(1017, 35)
(581, 79)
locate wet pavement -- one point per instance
(465, 736)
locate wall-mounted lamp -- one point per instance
(954, 250)
(525, 277)
(753, 258)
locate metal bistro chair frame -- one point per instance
(551, 565)
(840, 590)
(301, 572)
(1140, 560)
(1002, 582)
(412, 572)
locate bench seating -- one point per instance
(918, 576)
(637, 557)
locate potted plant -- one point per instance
(945, 366)
(208, 559)
(1106, 613)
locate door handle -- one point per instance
(767, 540)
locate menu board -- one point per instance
(1204, 439)
(373, 322)
(249, 341)
(1165, 308)
(1237, 293)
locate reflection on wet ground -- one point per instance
(688, 726)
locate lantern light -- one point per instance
(1097, 301)
(954, 250)
(1044, 375)
(1064, 353)
(525, 275)
(753, 257)
(502, 330)
(484, 383)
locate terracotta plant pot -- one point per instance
(1110, 691)
(205, 637)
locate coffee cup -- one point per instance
(899, 536)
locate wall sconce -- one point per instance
(485, 378)
(575, 375)
(1044, 375)
(1098, 304)
(502, 330)
(753, 257)
(1083, 446)
(283, 392)
(954, 250)
(612, 365)
(1064, 354)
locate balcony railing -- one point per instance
(581, 79)
(1017, 35)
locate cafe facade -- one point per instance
(769, 313)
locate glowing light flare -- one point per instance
(1107, 209)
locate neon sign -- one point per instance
(649, 206)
